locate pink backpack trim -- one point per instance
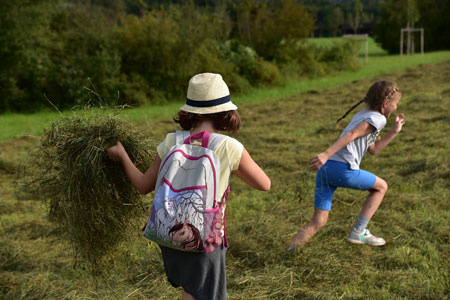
(195, 158)
(183, 189)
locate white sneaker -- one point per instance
(364, 237)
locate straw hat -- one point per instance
(207, 94)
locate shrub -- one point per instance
(165, 46)
(249, 64)
(342, 55)
(25, 40)
(303, 59)
(84, 55)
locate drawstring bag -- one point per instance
(186, 214)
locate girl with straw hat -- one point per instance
(208, 108)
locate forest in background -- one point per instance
(144, 52)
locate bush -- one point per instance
(303, 59)
(25, 40)
(84, 55)
(342, 55)
(249, 65)
(61, 48)
(165, 48)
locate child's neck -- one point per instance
(204, 126)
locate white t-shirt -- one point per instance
(353, 152)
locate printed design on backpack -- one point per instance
(185, 214)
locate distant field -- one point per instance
(14, 124)
(281, 135)
(374, 48)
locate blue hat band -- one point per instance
(209, 103)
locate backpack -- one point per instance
(185, 214)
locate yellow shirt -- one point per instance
(229, 152)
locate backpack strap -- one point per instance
(209, 140)
(225, 196)
(204, 135)
(181, 136)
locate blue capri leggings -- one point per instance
(334, 174)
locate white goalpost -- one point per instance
(410, 40)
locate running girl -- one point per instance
(338, 166)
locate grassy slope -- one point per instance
(414, 217)
(14, 125)
(373, 48)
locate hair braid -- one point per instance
(348, 111)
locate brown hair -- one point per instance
(196, 243)
(222, 121)
(376, 95)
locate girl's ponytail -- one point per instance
(348, 111)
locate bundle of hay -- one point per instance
(87, 193)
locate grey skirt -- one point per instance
(199, 274)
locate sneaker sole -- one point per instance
(358, 242)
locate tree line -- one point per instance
(144, 52)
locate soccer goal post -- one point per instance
(409, 40)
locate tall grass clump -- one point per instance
(88, 194)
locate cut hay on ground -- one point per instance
(87, 193)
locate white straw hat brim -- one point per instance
(209, 110)
(208, 94)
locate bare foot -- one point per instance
(299, 239)
(303, 235)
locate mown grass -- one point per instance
(16, 124)
(281, 136)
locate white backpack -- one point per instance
(185, 213)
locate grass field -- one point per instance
(281, 135)
(17, 124)
(35, 263)
(373, 47)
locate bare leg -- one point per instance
(318, 220)
(374, 199)
(186, 296)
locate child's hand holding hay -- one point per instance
(117, 152)
(87, 193)
(144, 183)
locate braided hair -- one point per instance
(377, 94)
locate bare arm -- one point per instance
(360, 130)
(387, 138)
(143, 182)
(251, 173)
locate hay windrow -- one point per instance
(88, 194)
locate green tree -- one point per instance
(25, 40)
(83, 55)
(161, 50)
(392, 19)
(433, 18)
(335, 18)
(264, 25)
(356, 16)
